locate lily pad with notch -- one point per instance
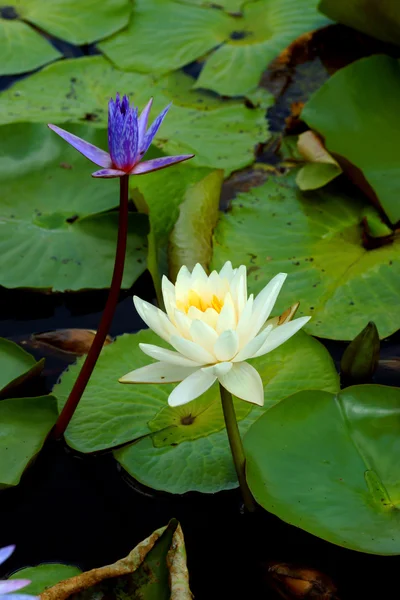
(221, 134)
(315, 237)
(51, 234)
(187, 448)
(329, 464)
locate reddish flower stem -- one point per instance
(106, 319)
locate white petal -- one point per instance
(168, 292)
(155, 318)
(210, 316)
(239, 289)
(168, 356)
(159, 372)
(192, 387)
(244, 382)
(183, 282)
(253, 346)
(227, 271)
(199, 273)
(219, 369)
(183, 323)
(243, 326)
(226, 345)
(204, 335)
(264, 303)
(281, 334)
(227, 316)
(191, 350)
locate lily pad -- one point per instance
(50, 233)
(231, 6)
(15, 37)
(25, 424)
(111, 414)
(16, 366)
(44, 576)
(154, 570)
(316, 238)
(191, 238)
(220, 134)
(379, 19)
(356, 111)
(328, 464)
(187, 31)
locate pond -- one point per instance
(281, 144)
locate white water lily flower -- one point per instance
(214, 328)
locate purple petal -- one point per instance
(6, 553)
(13, 584)
(154, 127)
(125, 105)
(19, 597)
(158, 163)
(123, 138)
(96, 155)
(142, 122)
(107, 173)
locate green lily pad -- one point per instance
(191, 239)
(50, 233)
(25, 424)
(220, 134)
(75, 21)
(316, 238)
(111, 414)
(44, 576)
(253, 39)
(329, 464)
(16, 365)
(231, 6)
(379, 19)
(356, 111)
(154, 570)
(15, 38)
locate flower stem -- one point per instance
(236, 445)
(106, 319)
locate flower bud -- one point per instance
(360, 359)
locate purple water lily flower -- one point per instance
(11, 585)
(128, 141)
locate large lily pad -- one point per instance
(25, 423)
(220, 134)
(356, 111)
(329, 464)
(154, 570)
(44, 576)
(185, 32)
(16, 365)
(51, 236)
(15, 38)
(379, 19)
(316, 238)
(111, 414)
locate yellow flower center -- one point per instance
(194, 299)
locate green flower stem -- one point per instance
(106, 319)
(236, 445)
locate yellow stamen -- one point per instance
(194, 299)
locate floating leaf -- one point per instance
(379, 19)
(356, 112)
(16, 366)
(184, 32)
(191, 238)
(44, 576)
(50, 234)
(316, 238)
(231, 6)
(154, 570)
(70, 341)
(221, 134)
(15, 38)
(25, 423)
(329, 464)
(321, 167)
(111, 414)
